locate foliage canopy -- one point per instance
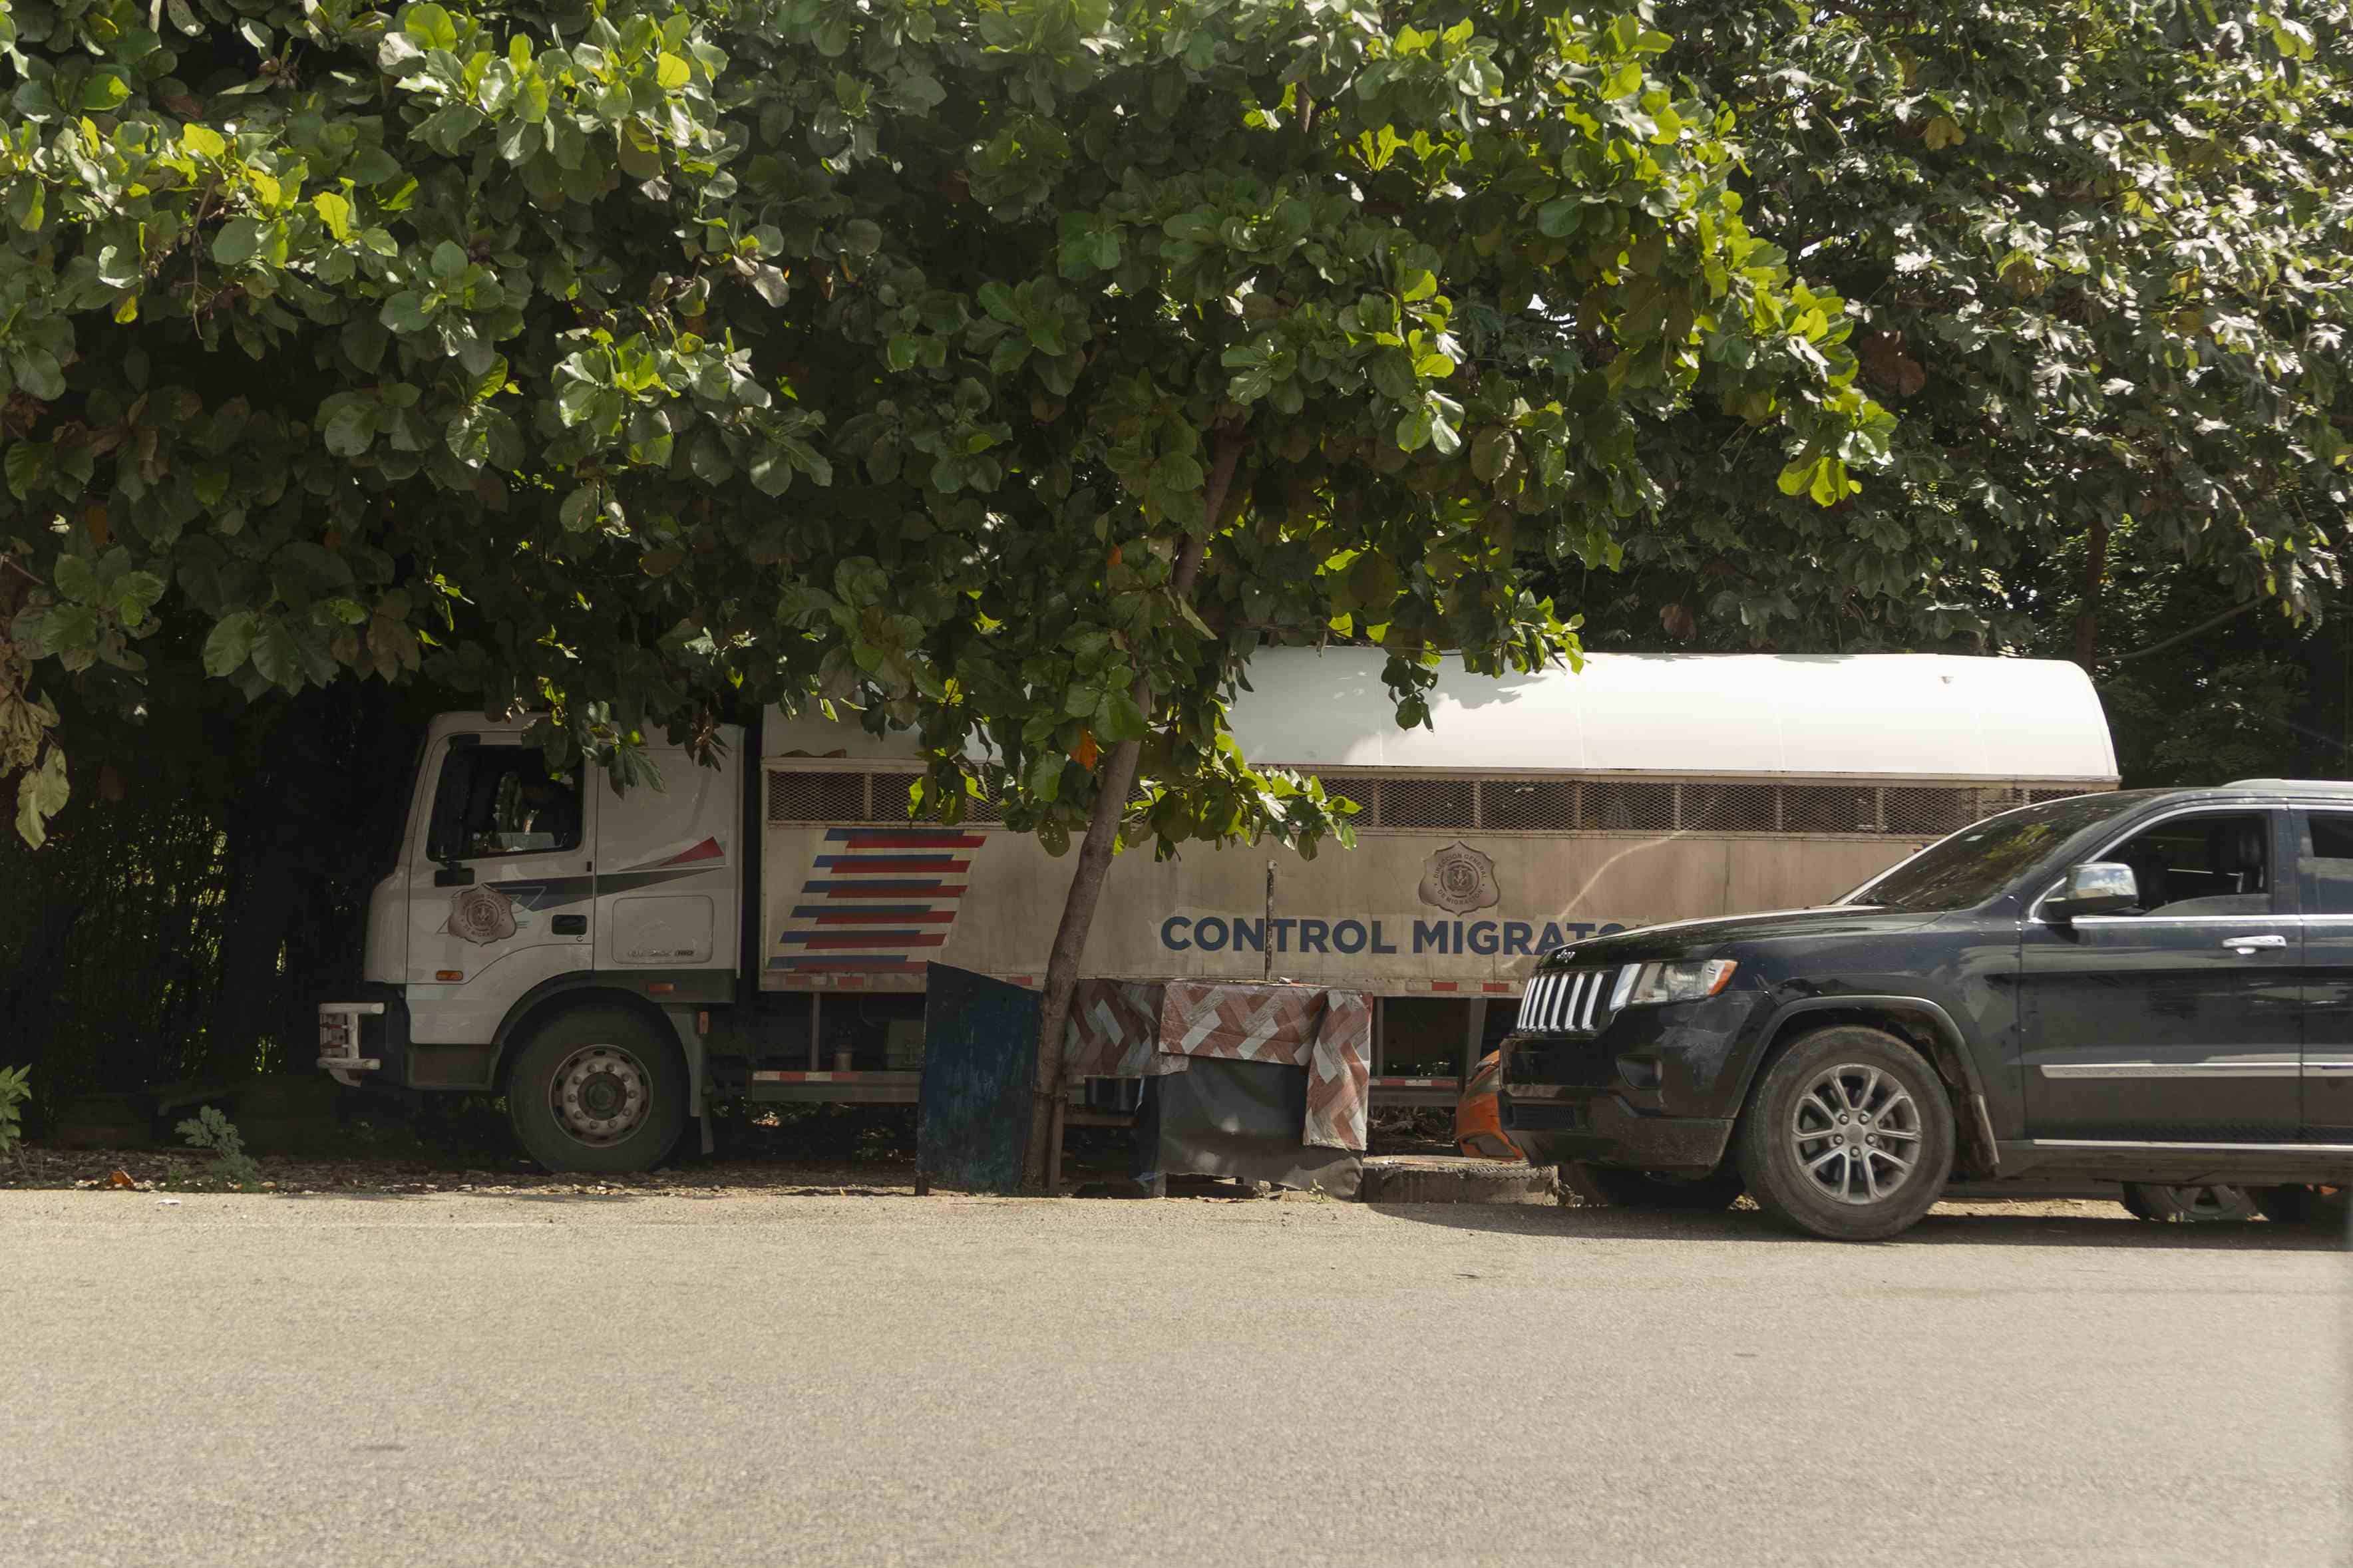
(630, 361)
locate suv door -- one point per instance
(2324, 878)
(2181, 1021)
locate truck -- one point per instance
(614, 964)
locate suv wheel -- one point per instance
(2188, 1205)
(1849, 1135)
(2330, 1209)
(1604, 1186)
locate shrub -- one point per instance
(209, 1130)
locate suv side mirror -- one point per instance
(2095, 887)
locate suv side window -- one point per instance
(2328, 863)
(2217, 864)
(498, 800)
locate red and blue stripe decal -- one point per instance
(876, 900)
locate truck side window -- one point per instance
(2218, 865)
(500, 800)
(2329, 864)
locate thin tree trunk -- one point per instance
(2087, 618)
(1102, 840)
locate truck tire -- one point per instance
(1848, 1135)
(596, 1089)
(2188, 1205)
(1606, 1186)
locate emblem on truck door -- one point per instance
(481, 916)
(1458, 880)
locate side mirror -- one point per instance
(2096, 888)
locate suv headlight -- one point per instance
(1640, 984)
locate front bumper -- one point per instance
(1600, 1129)
(1656, 1088)
(365, 1041)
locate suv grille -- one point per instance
(1566, 1001)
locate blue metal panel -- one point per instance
(980, 1041)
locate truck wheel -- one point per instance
(1606, 1186)
(596, 1090)
(2186, 1205)
(1849, 1135)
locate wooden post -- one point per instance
(1266, 931)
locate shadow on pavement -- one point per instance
(1938, 1229)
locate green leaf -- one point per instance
(238, 241)
(861, 237)
(336, 212)
(1798, 474)
(75, 578)
(135, 593)
(230, 644)
(405, 312)
(580, 508)
(428, 27)
(673, 72)
(41, 794)
(278, 656)
(203, 140)
(1045, 776)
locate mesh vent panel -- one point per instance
(1511, 804)
(1428, 803)
(816, 797)
(890, 796)
(1829, 808)
(1727, 808)
(1628, 808)
(1930, 812)
(1527, 805)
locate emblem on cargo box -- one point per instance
(1458, 880)
(481, 916)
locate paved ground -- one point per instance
(495, 1379)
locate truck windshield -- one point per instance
(1973, 865)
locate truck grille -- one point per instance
(1566, 1001)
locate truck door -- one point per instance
(2181, 1021)
(499, 891)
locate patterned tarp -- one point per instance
(1128, 1028)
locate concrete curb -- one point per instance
(1432, 1179)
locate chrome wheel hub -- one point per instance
(1856, 1133)
(600, 1095)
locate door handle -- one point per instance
(2249, 943)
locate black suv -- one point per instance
(2151, 987)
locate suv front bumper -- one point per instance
(1598, 1128)
(1655, 1088)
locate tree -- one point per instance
(1006, 374)
(2101, 254)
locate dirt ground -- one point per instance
(108, 1173)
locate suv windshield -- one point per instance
(1973, 865)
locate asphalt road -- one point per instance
(761, 1380)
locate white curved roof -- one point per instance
(1886, 715)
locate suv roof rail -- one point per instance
(2322, 786)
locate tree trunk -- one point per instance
(2087, 618)
(1102, 840)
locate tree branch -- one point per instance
(2177, 638)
